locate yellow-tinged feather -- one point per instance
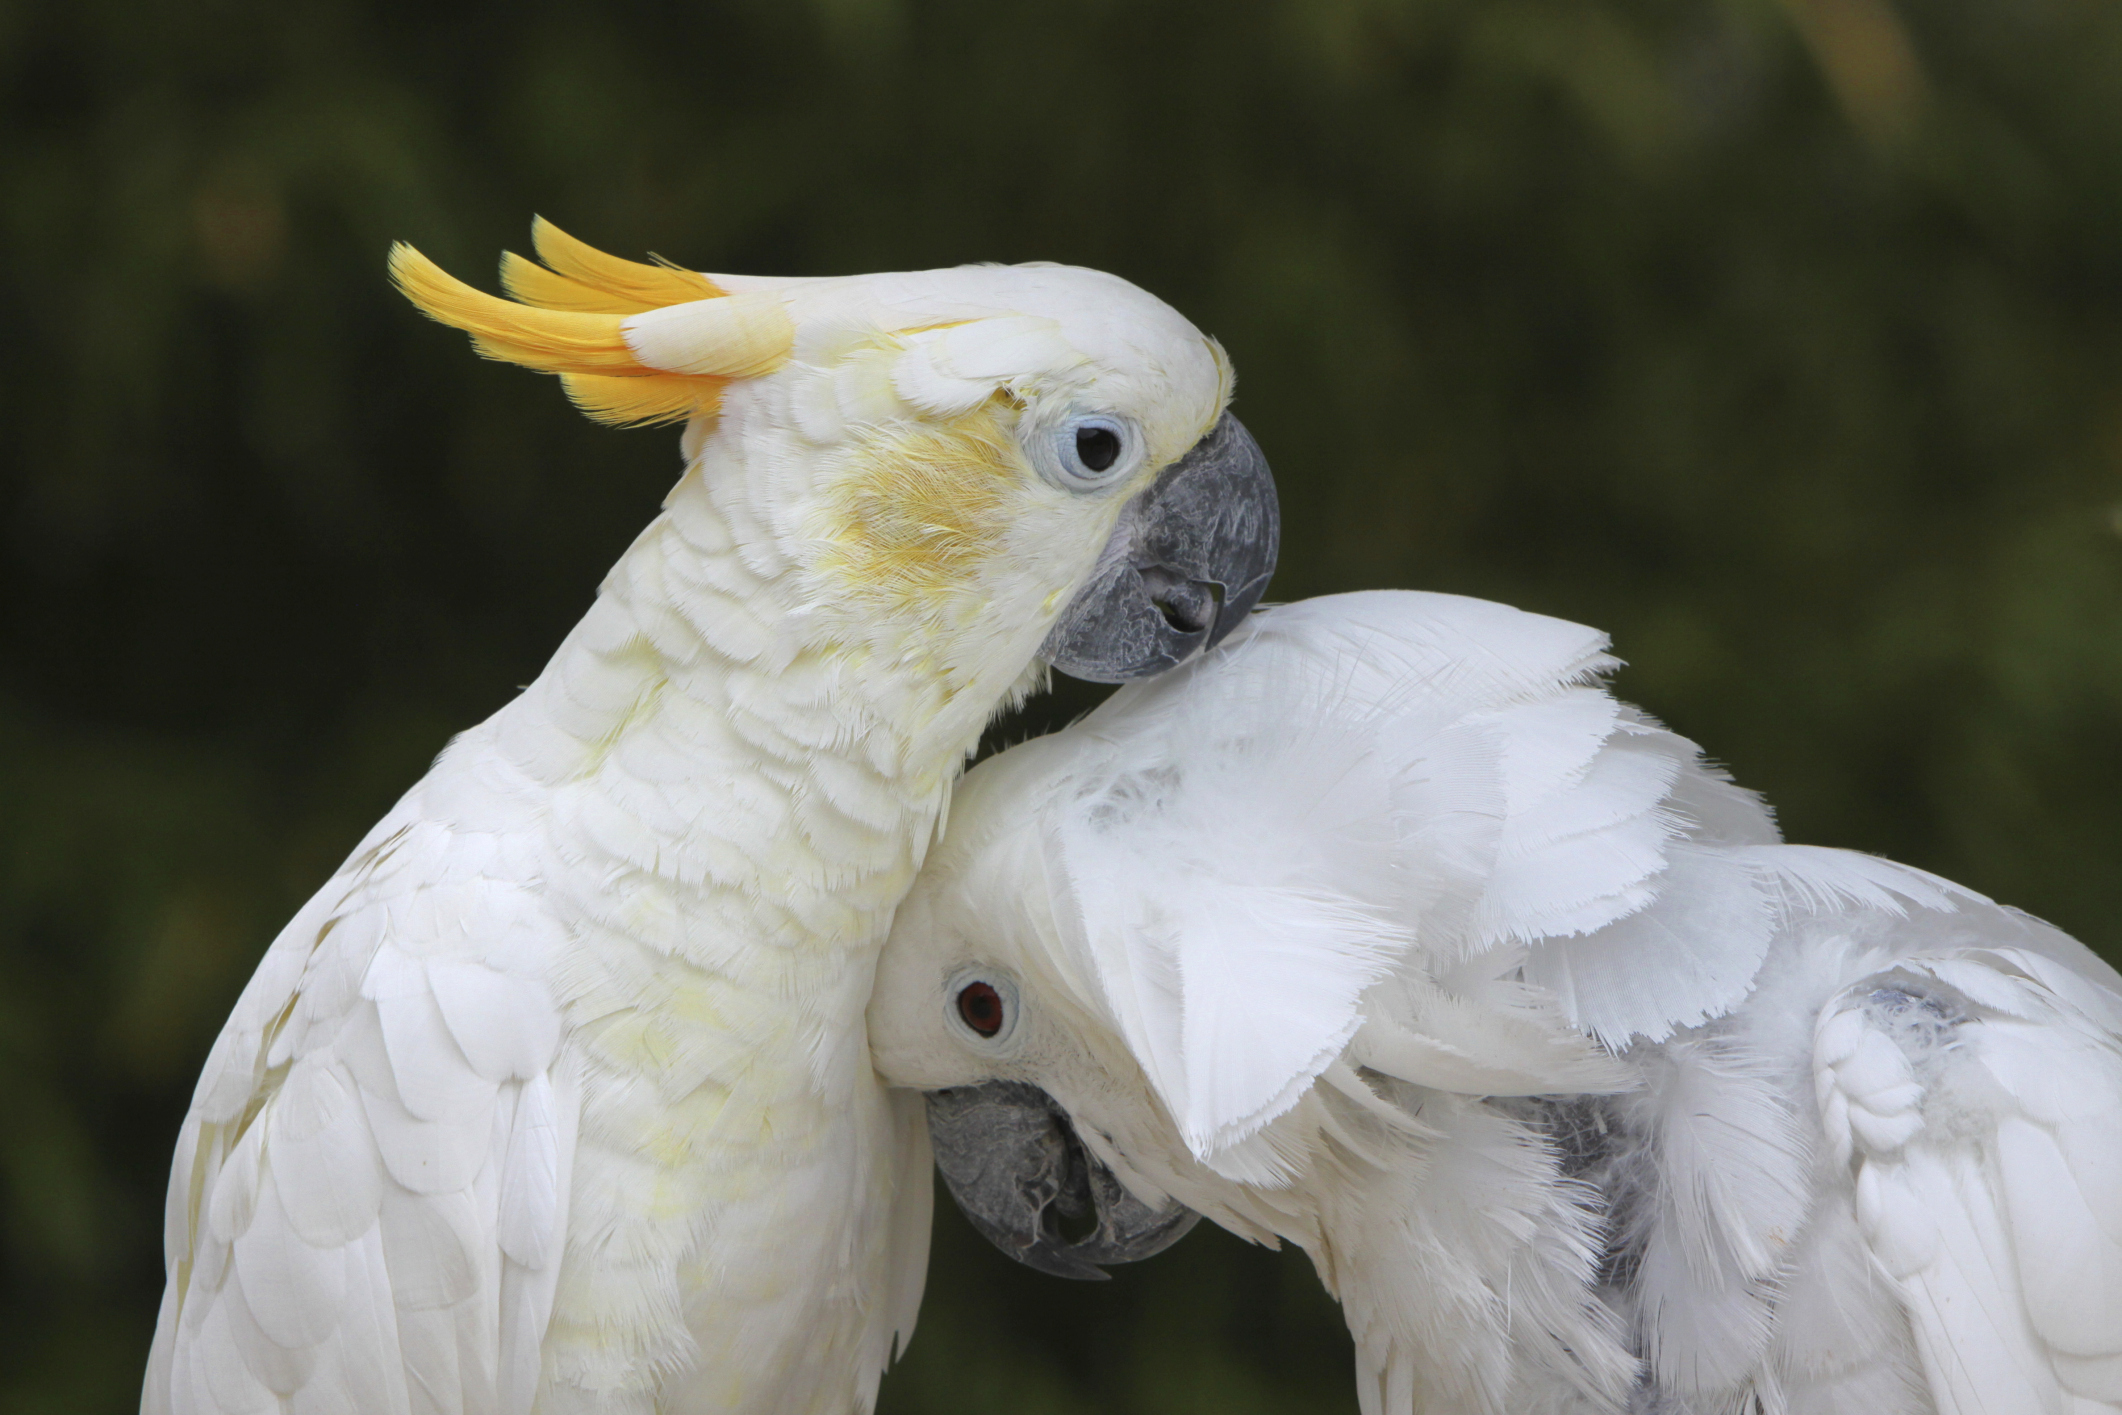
(919, 510)
(553, 341)
(646, 286)
(533, 284)
(643, 402)
(565, 326)
(732, 336)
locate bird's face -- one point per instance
(1046, 1130)
(1000, 462)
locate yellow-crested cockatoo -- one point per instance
(1388, 932)
(557, 1095)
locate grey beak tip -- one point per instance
(1189, 559)
(1020, 1175)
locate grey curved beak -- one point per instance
(1022, 1178)
(1189, 559)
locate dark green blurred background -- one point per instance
(1782, 338)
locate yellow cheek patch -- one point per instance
(569, 317)
(915, 512)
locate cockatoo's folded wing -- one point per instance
(367, 1205)
(1976, 1096)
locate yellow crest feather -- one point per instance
(533, 284)
(552, 341)
(641, 287)
(568, 320)
(642, 402)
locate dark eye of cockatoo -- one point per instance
(1097, 447)
(1094, 451)
(981, 1007)
(982, 1002)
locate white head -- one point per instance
(1163, 919)
(1170, 923)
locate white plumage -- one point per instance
(557, 1094)
(1386, 931)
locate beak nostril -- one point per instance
(1188, 606)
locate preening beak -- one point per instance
(1019, 1173)
(1189, 559)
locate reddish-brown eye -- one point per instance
(981, 1007)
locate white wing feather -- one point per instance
(891, 1325)
(1977, 1098)
(369, 1192)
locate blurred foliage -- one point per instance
(1783, 338)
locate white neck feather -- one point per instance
(703, 724)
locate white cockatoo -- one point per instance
(1386, 931)
(557, 1094)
